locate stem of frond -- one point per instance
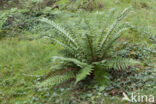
(90, 45)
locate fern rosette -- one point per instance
(88, 54)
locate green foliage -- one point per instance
(16, 21)
(8, 22)
(3, 18)
(83, 73)
(135, 79)
(120, 63)
(29, 4)
(5, 14)
(89, 52)
(57, 79)
(81, 4)
(141, 51)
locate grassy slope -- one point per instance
(19, 59)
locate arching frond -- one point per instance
(120, 63)
(62, 44)
(83, 73)
(60, 29)
(56, 80)
(112, 27)
(75, 61)
(113, 39)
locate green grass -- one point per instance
(20, 61)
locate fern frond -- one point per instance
(120, 63)
(85, 68)
(2, 19)
(84, 72)
(113, 39)
(108, 18)
(56, 80)
(63, 45)
(60, 29)
(112, 27)
(75, 61)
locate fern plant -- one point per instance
(87, 55)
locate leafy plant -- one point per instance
(87, 55)
(141, 51)
(4, 16)
(3, 19)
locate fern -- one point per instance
(91, 55)
(60, 29)
(120, 63)
(57, 79)
(113, 39)
(75, 61)
(83, 73)
(113, 26)
(2, 19)
(62, 44)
